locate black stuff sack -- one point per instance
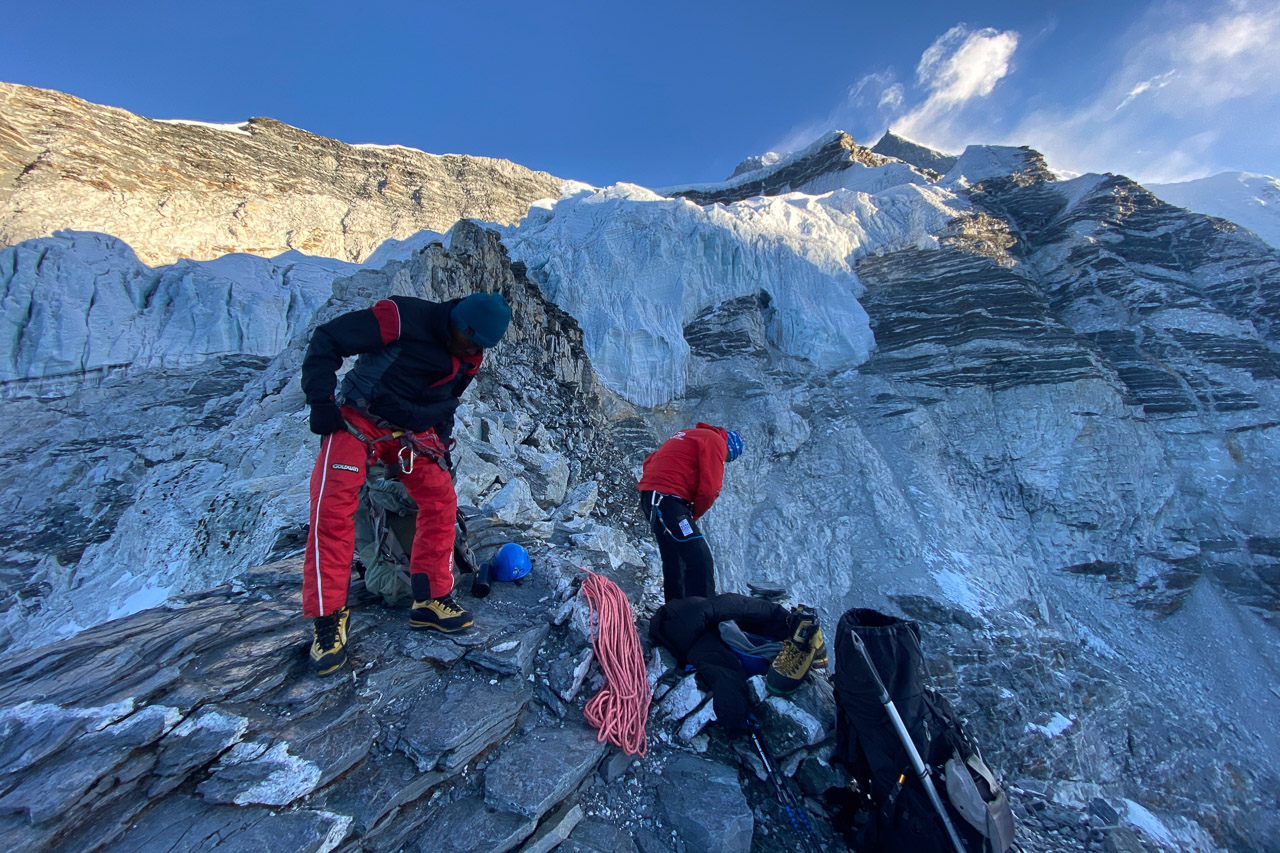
(895, 812)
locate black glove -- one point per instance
(326, 418)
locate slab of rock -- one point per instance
(554, 830)
(514, 504)
(262, 773)
(613, 543)
(185, 825)
(702, 801)
(788, 727)
(302, 757)
(469, 826)
(193, 743)
(547, 475)
(59, 783)
(682, 700)
(697, 721)
(596, 836)
(383, 782)
(534, 774)
(430, 646)
(459, 720)
(579, 502)
(475, 476)
(514, 655)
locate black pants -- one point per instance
(687, 567)
(690, 630)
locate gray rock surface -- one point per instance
(187, 190)
(535, 774)
(701, 799)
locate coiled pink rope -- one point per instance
(621, 707)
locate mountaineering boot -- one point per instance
(329, 648)
(792, 663)
(819, 650)
(819, 645)
(440, 614)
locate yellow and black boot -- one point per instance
(439, 614)
(819, 650)
(789, 668)
(329, 646)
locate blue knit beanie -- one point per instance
(735, 444)
(482, 317)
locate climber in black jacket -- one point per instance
(395, 405)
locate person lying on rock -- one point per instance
(693, 629)
(395, 405)
(681, 480)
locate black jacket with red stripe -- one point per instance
(404, 375)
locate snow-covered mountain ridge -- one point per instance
(1243, 197)
(1037, 415)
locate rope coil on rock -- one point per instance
(620, 709)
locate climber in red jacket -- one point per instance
(681, 481)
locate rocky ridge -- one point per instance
(190, 190)
(830, 155)
(901, 148)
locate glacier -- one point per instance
(634, 267)
(79, 302)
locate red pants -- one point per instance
(335, 493)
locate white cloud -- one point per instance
(962, 65)
(1195, 75)
(1146, 86)
(864, 110)
(1186, 79)
(959, 67)
(892, 98)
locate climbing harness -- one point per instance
(412, 445)
(620, 709)
(655, 511)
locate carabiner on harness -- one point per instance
(406, 456)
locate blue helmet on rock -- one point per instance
(735, 444)
(511, 562)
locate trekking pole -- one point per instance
(790, 803)
(917, 763)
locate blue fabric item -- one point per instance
(482, 317)
(751, 664)
(735, 445)
(511, 562)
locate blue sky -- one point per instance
(662, 93)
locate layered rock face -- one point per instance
(186, 190)
(1067, 430)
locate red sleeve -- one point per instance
(388, 316)
(711, 453)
